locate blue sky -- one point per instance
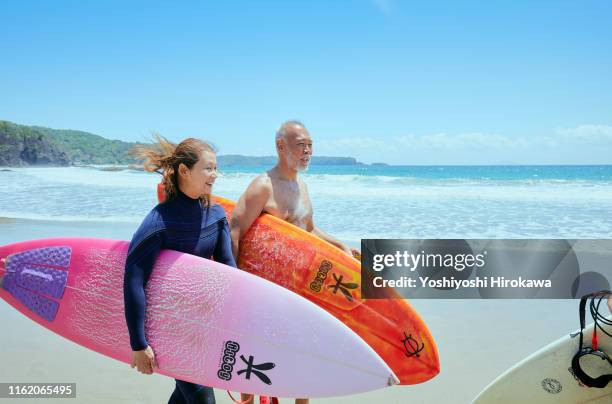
(471, 82)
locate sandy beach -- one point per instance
(367, 120)
(477, 340)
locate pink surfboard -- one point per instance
(207, 323)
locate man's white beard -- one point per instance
(296, 164)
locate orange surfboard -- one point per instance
(299, 261)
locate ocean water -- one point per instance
(354, 202)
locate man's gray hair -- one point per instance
(282, 131)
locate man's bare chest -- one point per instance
(293, 207)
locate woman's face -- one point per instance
(200, 179)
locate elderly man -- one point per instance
(282, 193)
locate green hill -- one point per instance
(22, 145)
(87, 148)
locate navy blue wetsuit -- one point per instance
(184, 225)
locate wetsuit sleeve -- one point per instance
(223, 249)
(141, 257)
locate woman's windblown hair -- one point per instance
(164, 157)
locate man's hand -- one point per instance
(350, 251)
(144, 361)
(324, 236)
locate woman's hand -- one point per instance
(144, 361)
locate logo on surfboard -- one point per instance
(321, 275)
(228, 360)
(257, 370)
(340, 286)
(552, 386)
(343, 287)
(411, 346)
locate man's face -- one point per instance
(297, 148)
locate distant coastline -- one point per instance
(25, 146)
(32, 146)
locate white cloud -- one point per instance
(587, 133)
(472, 140)
(580, 144)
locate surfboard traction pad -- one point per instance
(35, 279)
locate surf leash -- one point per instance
(597, 316)
(603, 380)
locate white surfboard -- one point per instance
(546, 376)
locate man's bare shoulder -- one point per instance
(261, 185)
(253, 200)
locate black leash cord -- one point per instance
(598, 317)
